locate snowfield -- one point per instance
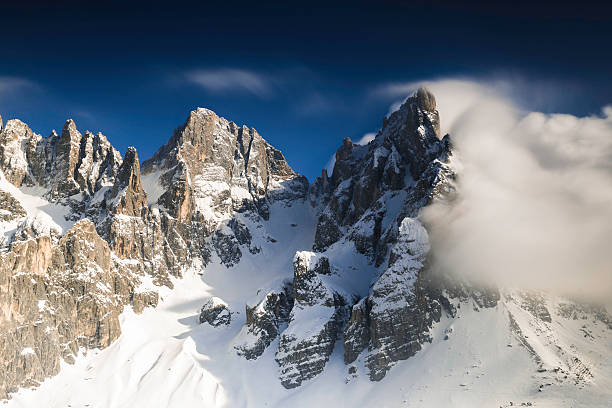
(164, 358)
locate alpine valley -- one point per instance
(214, 275)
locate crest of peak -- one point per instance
(69, 125)
(425, 99)
(204, 111)
(14, 122)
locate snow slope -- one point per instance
(164, 358)
(42, 215)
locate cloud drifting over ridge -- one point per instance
(534, 208)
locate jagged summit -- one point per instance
(425, 99)
(111, 219)
(405, 150)
(246, 170)
(64, 165)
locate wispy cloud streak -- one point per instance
(231, 80)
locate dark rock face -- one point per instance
(536, 305)
(357, 331)
(215, 312)
(316, 318)
(371, 200)
(264, 321)
(406, 155)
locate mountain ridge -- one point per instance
(217, 200)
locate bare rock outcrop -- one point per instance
(215, 312)
(264, 321)
(372, 200)
(314, 323)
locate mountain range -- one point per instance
(213, 274)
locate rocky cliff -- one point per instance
(370, 207)
(82, 236)
(370, 203)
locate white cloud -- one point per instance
(14, 84)
(231, 80)
(535, 194)
(365, 139)
(313, 103)
(330, 165)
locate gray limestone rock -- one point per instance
(264, 321)
(315, 321)
(215, 312)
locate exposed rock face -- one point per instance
(372, 198)
(127, 194)
(357, 330)
(10, 209)
(217, 166)
(66, 164)
(81, 267)
(56, 300)
(264, 321)
(403, 163)
(317, 315)
(210, 170)
(99, 231)
(392, 323)
(215, 312)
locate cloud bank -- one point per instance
(534, 205)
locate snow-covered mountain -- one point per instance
(215, 275)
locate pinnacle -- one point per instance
(425, 99)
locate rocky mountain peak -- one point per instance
(15, 144)
(128, 194)
(70, 130)
(402, 152)
(130, 168)
(208, 150)
(426, 99)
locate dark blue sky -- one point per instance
(305, 75)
